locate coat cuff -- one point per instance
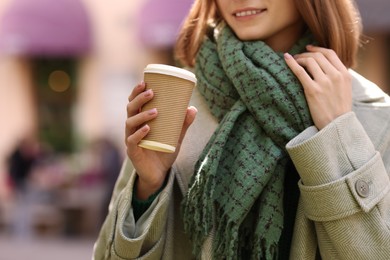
(147, 235)
(341, 173)
(338, 149)
(361, 190)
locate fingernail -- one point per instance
(148, 93)
(193, 108)
(141, 85)
(152, 111)
(287, 55)
(145, 128)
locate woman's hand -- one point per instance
(151, 166)
(326, 82)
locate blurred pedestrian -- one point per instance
(21, 162)
(20, 166)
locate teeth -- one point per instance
(247, 13)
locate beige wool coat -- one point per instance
(344, 205)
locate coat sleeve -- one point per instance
(344, 189)
(120, 237)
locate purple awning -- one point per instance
(375, 14)
(159, 21)
(45, 28)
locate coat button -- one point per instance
(362, 188)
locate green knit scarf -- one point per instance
(237, 188)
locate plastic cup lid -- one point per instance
(170, 70)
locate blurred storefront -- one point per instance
(66, 70)
(39, 34)
(96, 51)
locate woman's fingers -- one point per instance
(316, 64)
(312, 66)
(134, 106)
(137, 90)
(135, 118)
(326, 59)
(133, 140)
(330, 55)
(134, 122)
(326, 82)
(298, 70)
(332, 72)
(135, 133)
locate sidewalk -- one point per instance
(45, 249)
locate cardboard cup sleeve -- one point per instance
(172, 88)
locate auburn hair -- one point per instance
(335, 24)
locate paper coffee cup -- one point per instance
(172, 88)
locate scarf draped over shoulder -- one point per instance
(237, 188)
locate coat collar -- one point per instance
(366, 91)
(372, 108)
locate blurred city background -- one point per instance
(66, 70)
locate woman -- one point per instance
(288, 157)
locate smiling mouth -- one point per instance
(248, 13)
